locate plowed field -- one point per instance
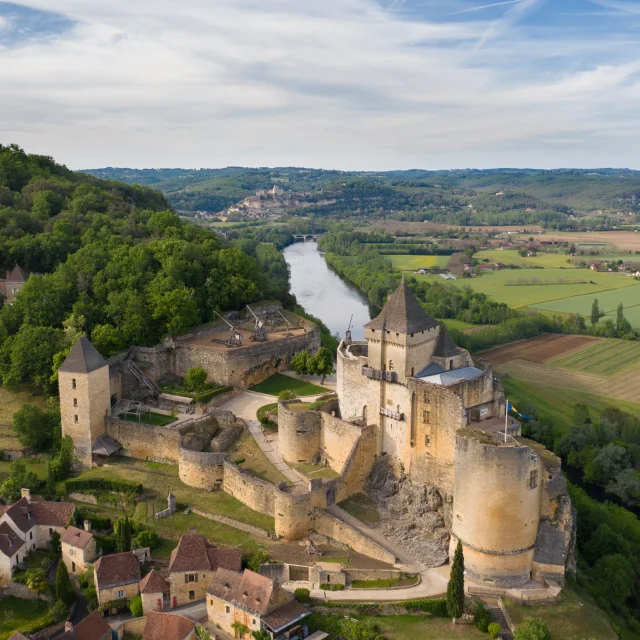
(538, 349)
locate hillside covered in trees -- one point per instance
(110, 260)
(500, 196)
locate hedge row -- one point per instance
(207, 395)
(91, 485)
(332, 587)
(436, 607)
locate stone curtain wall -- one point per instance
(338, 440)
(254, 493)
(145, 441)
(358, 465)
(299, 434)
(328, 525)
(201, 469)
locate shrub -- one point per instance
(532, 629)
(287, 394)
(63, 586)
(196, 379)
(494, 629)
(121, 605)
(98, 523)
(135, 606)
(302, 595)
(239, 460)
(93, 485)
(455, 588)
(254, 559)
(332, 587)
(436, 607)
(482, 618)
(147, 538)
(57, 613)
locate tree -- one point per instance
(239, 629)
(596, 314)
(300, 363)
(51, 481)
(147, 538)
(196, 379)
(322, 364)
(613, 579)
(254, 559)
(135, 606)
(123, 534)
(494, 630)
(351, 629)
(261, 635)
(626, 486)
(532, 629)
(455, 588)
(56, 546)
(581, 414)
(34, 427)
(606, 464)
(302, 595)
(64, 588)
(36, 580)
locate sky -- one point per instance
(341, 84)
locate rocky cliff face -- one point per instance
(415, 516)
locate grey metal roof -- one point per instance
(448, 378)
(445, 347)
(83, 358)
(430, 370)
(402, 313)
(105, 446)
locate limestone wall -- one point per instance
(496, 508)
(299, 433)
(355, 391)
(201, 469)
(294, 514)
(336, 529)
(254, 493)
(358, 465)
(337, 439)
(144, 441)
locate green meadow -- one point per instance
(512, 257)
(413, 263)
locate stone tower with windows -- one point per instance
(83, 381)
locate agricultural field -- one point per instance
(601, 240)
(413, 263)
(607, 300)
(604, 357)
(538, 349)
(512, 257)
(532, 287)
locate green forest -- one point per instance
(110, 260)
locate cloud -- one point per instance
(620, 7)
(334, 83)
(483, 7)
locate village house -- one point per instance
(168, 626)
(93, 627)
(16, 279)
(11, 553)
(255, 602)
(155, 592)
(78, 548)
(35, 521)
(116, 576)
(193, 565)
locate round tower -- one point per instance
(496, 508)
(299, 432)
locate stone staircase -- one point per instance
(498, 616)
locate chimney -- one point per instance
(26, 493)
(192, 529)
(87, 526)
(68, 625)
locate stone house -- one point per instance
(35, 521)
(256, 602)
(16, 279)
(93, 627)
(168, 626)
(116, 576)
(11, 553)
(155, 592)
(78, 548)
(193, 565)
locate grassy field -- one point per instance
(512, 257)
(16, 612)
(503, 285)
(607, 300)
(278, 382)
(11, 402)
(573, 618)
(361, 507)
(262, 416)
(316, 471)
(39, 467)
(605, 357)
(161, 481)
(413, 263)
(458, 324)
(157, 419)
(555, 404)
(254, 459)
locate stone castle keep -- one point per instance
(411, 412)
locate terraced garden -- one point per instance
(604, 357)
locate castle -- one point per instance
(407, 398)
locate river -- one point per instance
(323, 293)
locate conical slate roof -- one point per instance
(17, 275)
(445, 347)
(402, 313)
(83, 358)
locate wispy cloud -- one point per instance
(483, 7)
(334, 83)
(621, 7)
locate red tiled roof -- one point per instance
(93, 627)
(75, 537)
(26, 514)
(249, 590)
(153, 582)
(285, 614)
(10, 543)
(117, 569)
(194, 553)
(167, 626)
